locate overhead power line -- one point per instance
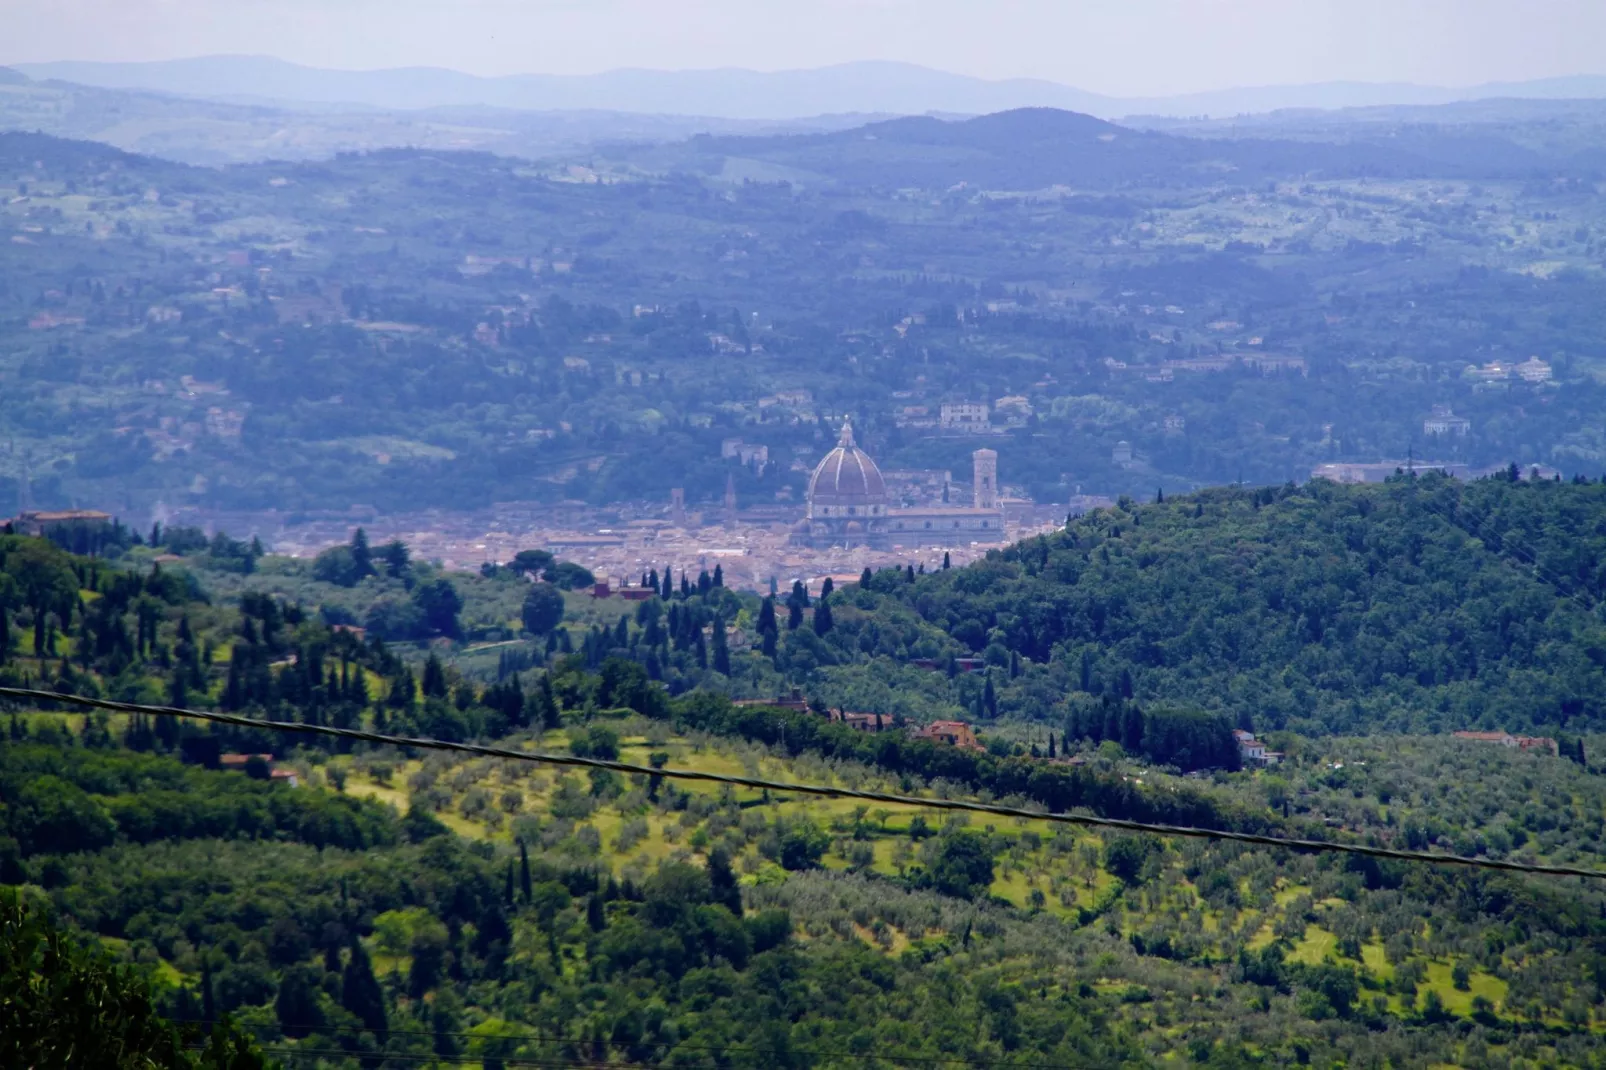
(560, 1063)
(676, 1047)
(828, 791)
(1505, 547)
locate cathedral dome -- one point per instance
(848, 479)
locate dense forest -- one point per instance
(1426, 604)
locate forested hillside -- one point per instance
(1426, 604)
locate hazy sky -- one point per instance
(1120, 47)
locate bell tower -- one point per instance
(985, 487)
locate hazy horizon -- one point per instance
(1139, 48)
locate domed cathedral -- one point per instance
(847, 499)
(848, 506)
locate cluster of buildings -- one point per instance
(260, 763)
(958, 734)
(1532, 370)
(1380, 471)
(853, 517)
(1444, 421)
(1254, 751)
(1536, 744)
(40, 523)
(1267, 364)
(968, 417)
(951, 733)
(848, 506)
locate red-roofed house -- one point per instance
(954, 733)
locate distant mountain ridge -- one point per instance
(1039, 148)
(735, 93)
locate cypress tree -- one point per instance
(208, 998)
(864, 579)
(524, 874)
(719, 575)
(722, 654)
(434, 678)
(551, 715)
(233, 691)
(822, 615)
(796, 603)
(360, 992)
(946, 563)
(361, 555)
(296, 1005)
(722, 881)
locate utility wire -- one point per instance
(558, 1061)
(431, 1059)
(1505, 548)
(828, 791)
(814, 1053)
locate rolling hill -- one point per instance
(868, 86)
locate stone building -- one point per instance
(1444, 421)
(848, 506)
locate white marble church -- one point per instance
(847, 506)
